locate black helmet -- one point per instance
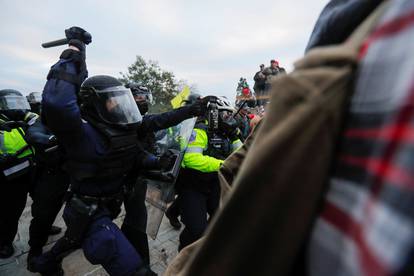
(13, 104)
(142, 96)
(227, 123)
(104, 98)
(35, 100)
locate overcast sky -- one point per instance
(209, 43)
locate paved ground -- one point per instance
(162, 249)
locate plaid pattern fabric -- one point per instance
(366, 226)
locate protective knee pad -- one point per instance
(105, 244)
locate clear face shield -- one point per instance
(14, 102)
(145, 96)
(115, 105)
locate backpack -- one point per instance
(279, 180)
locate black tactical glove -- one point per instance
(78, 58)
(167, 160)
(199, 108)
(78, 33)
(77, 37)
(78, 44)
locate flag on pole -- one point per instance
(181, 97)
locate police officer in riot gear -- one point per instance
(154, 122)
(198, 185)
(173, 211)
(135, 222)
(16, 164)
(50, 184)
(142, 95)
(35, 99)
(96, 126)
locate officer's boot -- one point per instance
(172, 214)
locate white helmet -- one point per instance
(224, 104)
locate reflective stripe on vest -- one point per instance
(194, 150)
(2, 146)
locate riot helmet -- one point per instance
(224, 104)
(35, 100)
(142, 96)
(105, 99)
(13, 104)
(227, 123)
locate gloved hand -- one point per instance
(77, 37)
(167, 160)
(199, 108)
(78, 44)
(78, 57)
(78, 33)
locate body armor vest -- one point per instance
(120, 157)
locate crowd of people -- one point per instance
(86, 143)
(263, 79)
(90, 144)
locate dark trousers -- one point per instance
(13, 195)
(101, 240)
(174, 209)
(48, 192)
(135, 222)
(260, 94)
(194, 207)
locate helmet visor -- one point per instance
(142, 95)
(14, 102)
(116, 105)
